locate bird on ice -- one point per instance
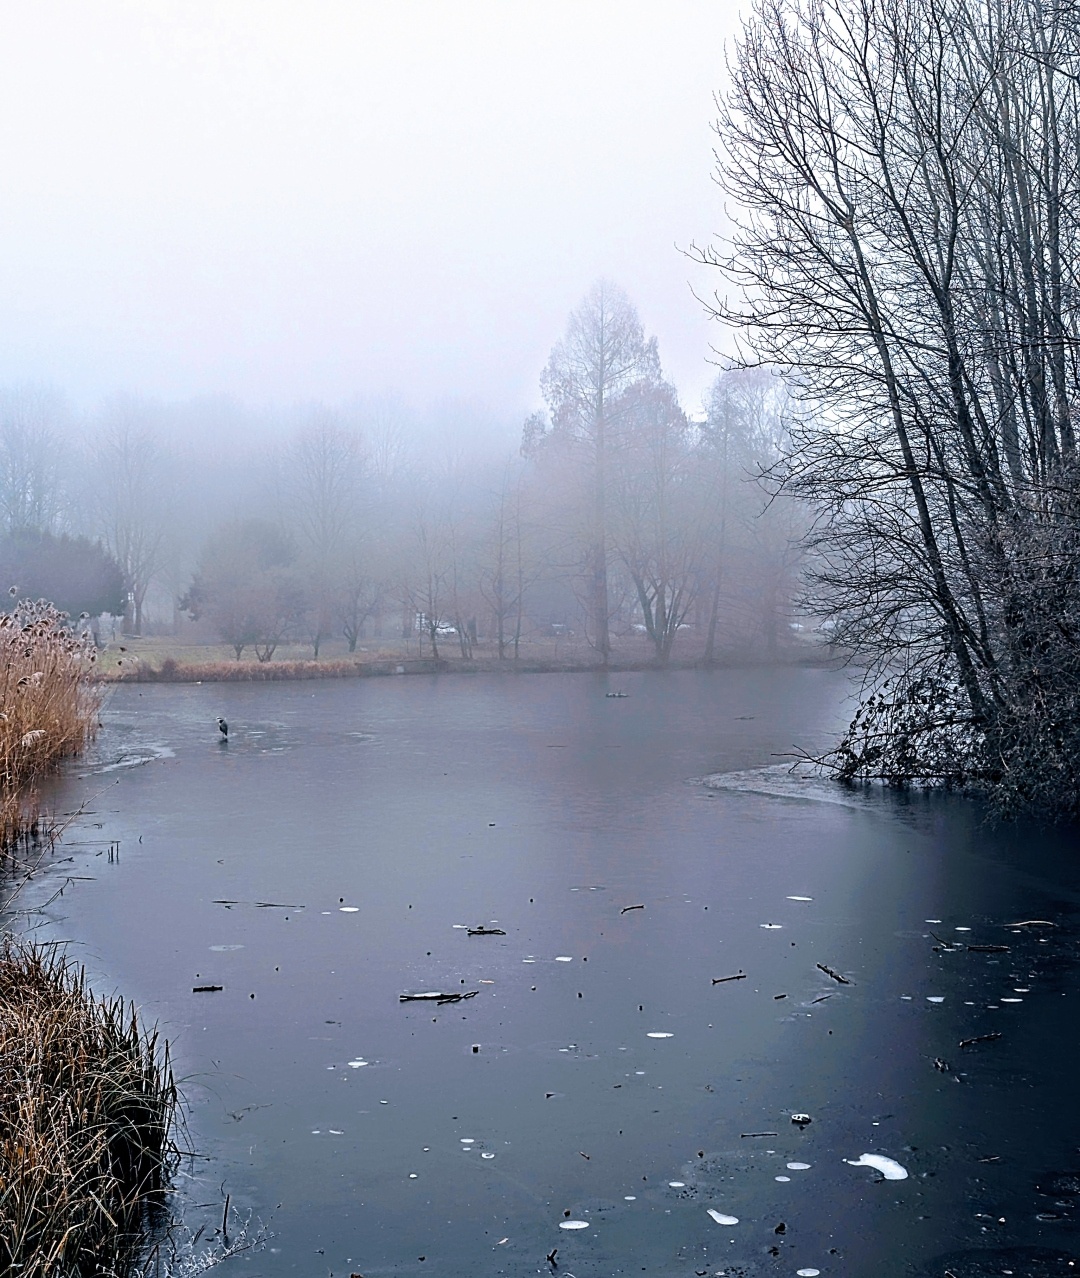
(223, 727)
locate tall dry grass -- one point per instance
(48, 707)
(86, 1104)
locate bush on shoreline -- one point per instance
(86, 1105)
(48, 708)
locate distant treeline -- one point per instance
(612, 513)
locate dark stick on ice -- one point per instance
(719, 980)
(980, 1038)
(206, 989)
(744, 1135)
(486, 931)
(835, 975)
(225, 1220)
(627, 908)
(989, 949)
(434, 996)
(551, 1257)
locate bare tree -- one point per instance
(587, 385)
(320, 483)
(509, 562)
(132, 499)
(246, 586)
(908, 252)
(659, 527)
(31, 458)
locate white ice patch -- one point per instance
(807, 1273)
(487, 1155)
(659, 1034)
(573, 1224)
(676, 1184)
(720, 1218)
(563, 958)
(784, 1180)
(771, 927)
(467, 1140)
(782, 781)
(800, 898)
(935, 998)
(357, 1064)
(798, 1166)
(348, 909)
(888, 1167)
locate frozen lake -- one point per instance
(333, 855)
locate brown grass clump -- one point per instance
(171, 671)
(86, 1104)
(48, 708)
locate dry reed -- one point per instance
(48, 707)
(87, 1101)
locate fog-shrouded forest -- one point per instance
(611, 522)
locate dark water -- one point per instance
(541, 807)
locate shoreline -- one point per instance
(290, 670)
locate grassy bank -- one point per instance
(86, 1093)
(49, 708)
(86, 1104)
(161, 661)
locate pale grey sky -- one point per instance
(294, 199)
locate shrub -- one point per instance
(49, 709)
(86, 1106)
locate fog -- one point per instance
(277, 202)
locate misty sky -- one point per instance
(284, 201)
